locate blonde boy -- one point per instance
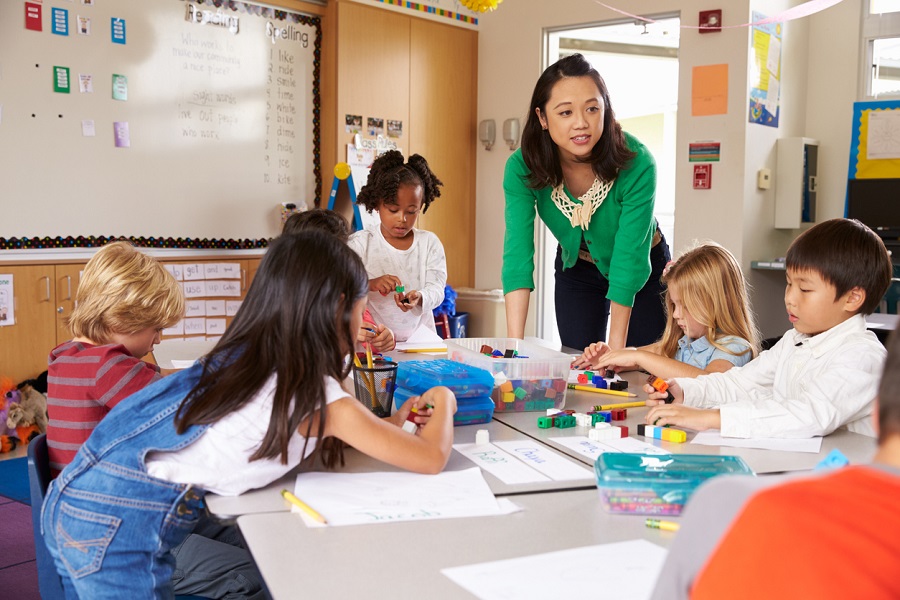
(124, 299)
(823, 373)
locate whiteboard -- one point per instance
(221, 110)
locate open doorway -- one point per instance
(639, 63)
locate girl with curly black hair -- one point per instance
(407, 267)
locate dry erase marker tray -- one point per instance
(469, 411)
(657, 484)
(535, 380)
(464, 381)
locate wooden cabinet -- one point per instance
(395, 65)
(26, 344)
(44, 296)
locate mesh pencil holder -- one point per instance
(375, 387)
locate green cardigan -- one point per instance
(619, 235)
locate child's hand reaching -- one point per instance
(698, 419)
(380, 337)
(406, 301)
(591, 354)
(625, 359)
(423, 412)
(655, 398)
(385, 284)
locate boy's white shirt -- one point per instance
(422, 267)
(802, 387)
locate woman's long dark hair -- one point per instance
(294, 323)
(610, 153)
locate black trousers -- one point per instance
(582, 308)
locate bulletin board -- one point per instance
(172, 122)
(875, 140)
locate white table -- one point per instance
(859, 449)
(403, 560)
(268, 499)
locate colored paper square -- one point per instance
(117, 27)
(709, 90)
(119, 87)
(59, 21)
(61, 82)
(33, 17)
(123, 138)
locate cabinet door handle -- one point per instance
(68, 287)
(47, 281)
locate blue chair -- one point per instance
(38, 480)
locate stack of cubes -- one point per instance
(471, 385)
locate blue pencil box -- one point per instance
(464, 380)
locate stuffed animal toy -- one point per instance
(27, 416)
(6, 385)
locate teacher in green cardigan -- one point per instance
(594, 186)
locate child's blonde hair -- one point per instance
(714, 293)
(123, 291)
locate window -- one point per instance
(881, 50)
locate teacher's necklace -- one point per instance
(580, 214)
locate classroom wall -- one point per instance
(819, 86)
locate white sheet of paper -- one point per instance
(176, 329)
(215, 327)
(87, 128)
(498, 463)
(194, 308)
(883, 142)
(714, 438)
(361, 498)
(423, 335)
(231, 307)
(7, 300)
(215, 308)
(592, 449)
(182, 364)
(545, 460)
(429, 345)
(193, 272)
(194, 289)
(635, 566)
(194, 326)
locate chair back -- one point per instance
(38, 480)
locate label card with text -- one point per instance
(498, 463)
(545, 460)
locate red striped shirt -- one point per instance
(84, 382)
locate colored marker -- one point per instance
(620, 405)
(664, 525)
(587, 388)
(304, 506)
(409, 350)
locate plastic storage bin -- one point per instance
(465, 380)
(469, 411)
(657, 485)
(535, 383)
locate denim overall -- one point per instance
(110, 526)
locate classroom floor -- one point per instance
(18, 570)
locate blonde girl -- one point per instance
(709, 325)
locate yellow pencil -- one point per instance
(424, 350)
(303, 506)
(621, 405)
(664, 525)
(587, 388)
(369, 383)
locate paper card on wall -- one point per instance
(118, 30)
(84, 25)
(195, 326)
(195, 308)
(498, 463)
(119, 87)
(87, 128)
(545, 460)
(61, 80)
(194, 289)
(771, 101)
(375, 126)
(176, 329)
(85, 83)
(394, 128)
(193, 272)
(33, 16)
(176, 270)
(7, 308)
(709, 90)
(230, 289)
(215, 326)
(231, 307)
(773, 57)
(59, 19)
(352, 123)
(215, 308)
(230, 271)
(883, 139)
(211, 270)
(214, 288)
(123, 138)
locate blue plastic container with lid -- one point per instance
(464, 380)
(658, 484)
(469, 411)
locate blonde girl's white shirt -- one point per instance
(421, 267)
(804, 386)
(219, 461)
